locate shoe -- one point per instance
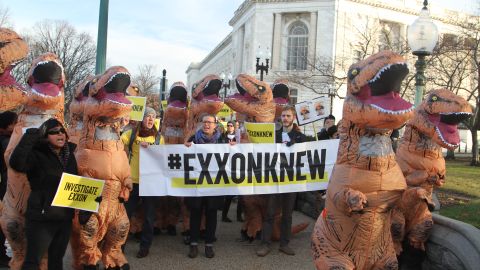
(226, 219)
(240, 219)
(263, 250)
(209, 252)
(193, 251)
(287, 250)
(171, 230)
(142, 253)
(157, 231)
(90, 267)
(125, 267)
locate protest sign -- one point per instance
(138, 107)
(260, 132)
(242, 169)
(225, 112)
(78, 192)
(312, 110)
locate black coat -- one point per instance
(44, 170)
(295, 136)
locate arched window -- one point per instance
(297, 46)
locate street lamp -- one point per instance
(262, 67)
(422, 37)
(226, 83)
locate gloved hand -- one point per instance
(84, 216)
(98, 199)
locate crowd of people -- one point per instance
(45, 153)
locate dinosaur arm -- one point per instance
(417, 177)
(349, 200)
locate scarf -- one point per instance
(145, 132)
(63, 155)
(201, 138)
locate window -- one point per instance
(297, 46)
(293, 96)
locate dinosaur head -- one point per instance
(254, 99)
(46, 79)
(439, 115)
(109, 90)
(373, 98)
(178, 96)
(205, 94)
(13, 50)
(281, 95)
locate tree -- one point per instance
(75, 50)
(5, 17)
(148, 83)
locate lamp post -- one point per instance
(261, 66)
(422, 37)
(162, 92)
(102, 38)
(226, 83)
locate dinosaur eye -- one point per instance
(434, 98)
(354, 72)
(260, 88)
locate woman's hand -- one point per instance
(188, 144)
(232, 143)
(144, 144)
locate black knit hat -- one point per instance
(47, 125)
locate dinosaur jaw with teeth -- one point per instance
(446, 128)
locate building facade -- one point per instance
(303, 37)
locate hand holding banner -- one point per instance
(78, 192)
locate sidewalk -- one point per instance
(169, 252)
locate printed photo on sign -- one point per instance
(78, 192)
(312, 110)
(138, 107)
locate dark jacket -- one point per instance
(44, 170)
(295, 136)
(221, 139)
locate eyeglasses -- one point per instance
(56, 131)
(229, 125)
(208, 122)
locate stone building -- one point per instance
(302, 35)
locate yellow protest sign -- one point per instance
(225, 112)
(138, 107)
(164, 104)
(78, 192)
(260, 132)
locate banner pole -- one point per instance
(314, 131)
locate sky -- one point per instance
(167, 34)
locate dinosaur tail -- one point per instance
(299, 227)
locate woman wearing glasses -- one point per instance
(208, 134)
(44, 154)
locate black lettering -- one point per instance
(204, 173)
(68, 186)
(299, 166)
(187, 168)
(270, 167)
(70, 196)
(254, 167)
(221, 168)
(239, 179)
(137, 108)
(286, 166)
(316, 164)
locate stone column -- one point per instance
(312, 36)
(277, 41)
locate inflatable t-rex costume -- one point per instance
(353, 232)
(176, 115)
(419, 155)
(13, 50)
(44, 100)
(254, 103)
(204, 100)
(101, 156)
(76, 110)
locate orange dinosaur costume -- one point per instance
(44, 100)
(13, 51)
(353, 232)
(76, 110)
(419, 155)
(254, 103)
(101, 155)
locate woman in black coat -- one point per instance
(44, 154)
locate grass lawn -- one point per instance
(460, 196)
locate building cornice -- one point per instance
(242, 9)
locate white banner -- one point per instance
(242, 169)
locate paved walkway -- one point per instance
(169, 252)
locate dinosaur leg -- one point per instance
(115, 237)
(398, 229)
(90, 235)
(13, 226)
